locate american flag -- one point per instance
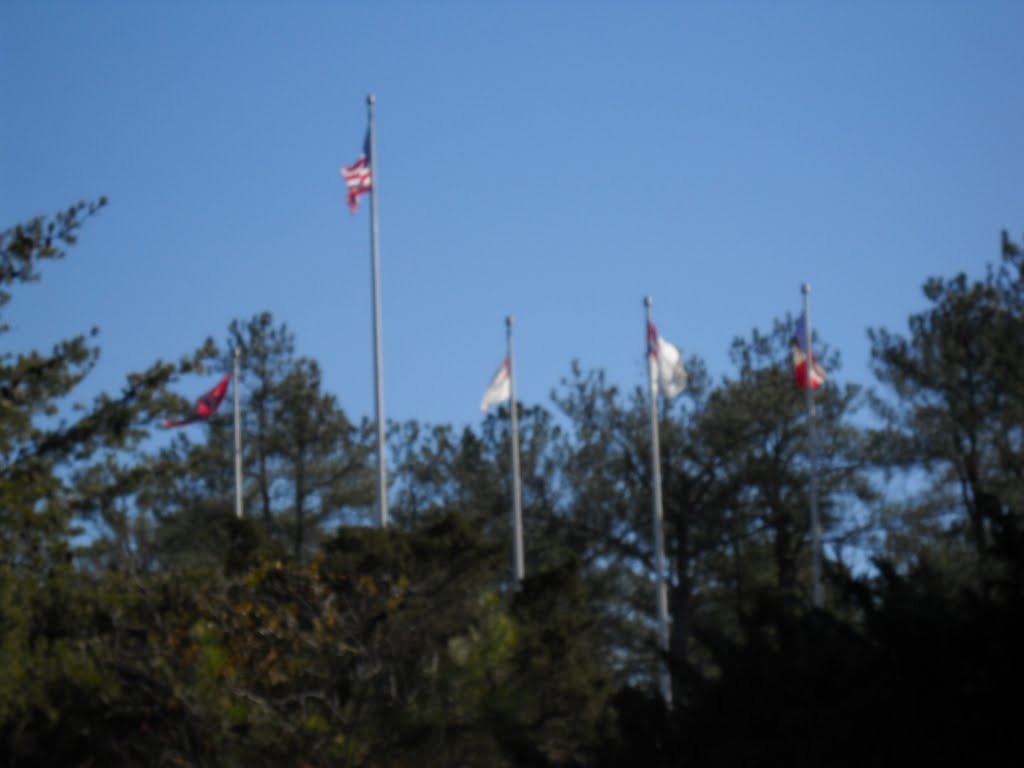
(358, 176)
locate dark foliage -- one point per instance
(176, 634)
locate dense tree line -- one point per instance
(142, 623)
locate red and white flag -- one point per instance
(667, 372)
(500, 388)
(358, 176)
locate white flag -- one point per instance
(667, 372)
(500, 388)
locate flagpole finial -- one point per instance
(370, 99)
(806, 288)
(648, 302)
(508, 321)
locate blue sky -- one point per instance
(556, 161)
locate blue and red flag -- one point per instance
(806, 378)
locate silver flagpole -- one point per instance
(659, 532)
(517, 502)
(378, 377)
(813, 435)
(238, 443)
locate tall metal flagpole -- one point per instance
(378, 377)
(813, 434)
(659, 532)
(238, 443)
(517, 502)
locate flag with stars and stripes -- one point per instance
(358, 176)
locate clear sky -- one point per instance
(552, 160)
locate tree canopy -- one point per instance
(143, 623)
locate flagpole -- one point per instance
(378, 378)
(517, 501)
(815, 523)
(238, 442)
(659, 532)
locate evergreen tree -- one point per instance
(955, 414)
(305, 465)
(755, 431)
(58, 466)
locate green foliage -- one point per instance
(178, 634)
(754, 463)
(956, 412)
(25, 245)
(58, 468)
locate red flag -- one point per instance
(206, 405)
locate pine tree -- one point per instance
(954, 411)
